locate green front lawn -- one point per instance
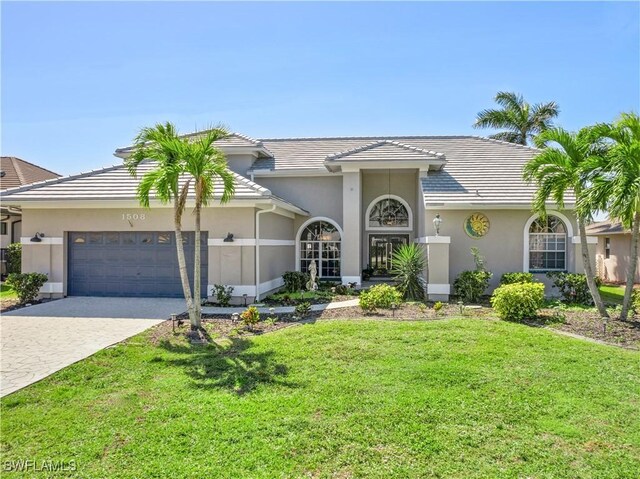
(6, 292)
(461, 398)
(612, 293)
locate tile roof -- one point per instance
(17, 172)
(478, 170)
(115, 183)
(234, 140)
(606, 227)
(385, 150)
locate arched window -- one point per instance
(547, 245)
(390, 212)
(320, 241)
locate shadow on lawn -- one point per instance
(232, 366)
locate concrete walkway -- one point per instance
(281, 309)
(38, 340)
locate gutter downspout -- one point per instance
(258, 213)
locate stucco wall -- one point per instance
(319, 195)
(614, 268)
(240, 163)
(503, 246)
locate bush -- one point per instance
(303, 309)
(222, 294)
(408, 266)
(250, 316)
(573, 287)
(635, 301)
(469, 286)
(518, 301)
(343, 289)
(380, 296)
(437, 306)
(26, 285)
(514, 278)
(14, 258)
(295, 281)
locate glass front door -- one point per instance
(381, 249)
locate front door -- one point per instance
(381, 249)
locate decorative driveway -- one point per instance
(39, 340)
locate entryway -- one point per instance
(381, 249)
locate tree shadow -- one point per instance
(230, 366)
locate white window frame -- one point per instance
(568, 241)
(388, 228)
(299, 235)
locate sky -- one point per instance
(79, 79)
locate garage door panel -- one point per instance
(130, 264)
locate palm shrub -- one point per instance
(518, 301)
(408, 265)
(517, 277)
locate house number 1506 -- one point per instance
(133, 216)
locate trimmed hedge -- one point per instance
(26, 285)
(518, 301)
(380, 296)
(516, 277)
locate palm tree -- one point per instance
(205, 164)
(559, 168)
(162, 144)
(521, 120)
(617, 188)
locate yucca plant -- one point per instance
(408, 265)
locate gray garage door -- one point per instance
(143, 264)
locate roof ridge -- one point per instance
(252, 184)
(494, 140)
(194, 133)
(18, 170)
(379, 137)
(375, 144)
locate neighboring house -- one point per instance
(344, 203)
(612, 251)
(15, 172)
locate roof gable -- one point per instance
(17, 172)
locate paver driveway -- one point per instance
(38, 340)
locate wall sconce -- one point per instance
(437, 221)
(229, 238)
(37, 238)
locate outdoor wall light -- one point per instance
(37, 238)
(229, 238)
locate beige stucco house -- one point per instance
(612, 251)
(344, 203)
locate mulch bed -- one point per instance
(588, 323)
(10, 304)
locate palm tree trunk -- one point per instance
(182, 263)
(197, 302)
(631, 271)
(588, 271)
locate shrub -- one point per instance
(437, 306)
(222, 294)
(26, 285)
(518, 301)
(303, 309)
(514, 278)
(635, 301)
(14, 258)
(294, 281)
(250, 316)
(408, 266)
(573, 287)
(380, 296)
(343, 289)
(469, 286)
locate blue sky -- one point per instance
(79, 79)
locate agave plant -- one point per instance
(408, 264)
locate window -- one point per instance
(547, 245)
(3, 228)
(388, 212)
(607, 248)
(320, 242)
